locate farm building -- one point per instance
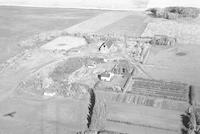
(122, 68)
(139, 50)
(106, 76)
(106, 46)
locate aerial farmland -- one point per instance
(88, 71)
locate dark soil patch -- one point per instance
(72, 64)
(62, 44)
(181, 54)
(69, 66)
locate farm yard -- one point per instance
(130, 73)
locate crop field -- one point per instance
(68, 67)
(72, 64)
(160, 89)
(132, 25)
(153, 93)
(128, 117)
(135, 99)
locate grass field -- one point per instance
(132, 25)
(128, 118)
(56, 116)
(168, 65)
(18, 23)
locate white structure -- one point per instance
(49, 94)
(106, 76)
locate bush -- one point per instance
(91, 107)
(97, 113)
(183, 11)
(175, 12)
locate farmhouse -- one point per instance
(106, 46)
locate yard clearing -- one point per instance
(64, 43)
